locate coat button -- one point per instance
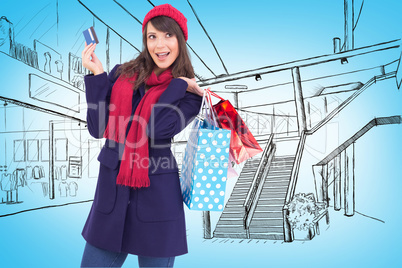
(129, 202)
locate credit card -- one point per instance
(90, 36)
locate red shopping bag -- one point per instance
(243, 145)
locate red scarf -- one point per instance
(135, 161)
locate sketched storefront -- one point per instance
(47, 156)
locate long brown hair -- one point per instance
(144, 64)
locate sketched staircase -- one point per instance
(254, 209)
(267, 221)
(231, 223)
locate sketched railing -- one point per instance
(292, 186)
(254, 193)
(373, 123)
(321, 174)
(332, 114)
(262, 123)
(295, 170)
(258, 123)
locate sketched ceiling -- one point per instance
(205, 55)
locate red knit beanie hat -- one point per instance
(168, 11)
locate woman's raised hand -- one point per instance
(193, 86)
(90, 60)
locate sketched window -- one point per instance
(44, 148)
(19, 150)
(61, 149)
(33, 150)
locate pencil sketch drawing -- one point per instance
(309, 134)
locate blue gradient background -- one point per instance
(249, 34)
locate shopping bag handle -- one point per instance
(215, 95)
(211, 113)
(203, 101)
(207, 103)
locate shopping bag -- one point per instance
(205, 164)
(212, 118)
(243, 145)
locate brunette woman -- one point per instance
(138, 107)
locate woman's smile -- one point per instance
(162, 55)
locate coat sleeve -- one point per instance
(98, 89)
(175, 109)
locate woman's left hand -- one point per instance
(193, 86)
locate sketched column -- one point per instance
(206, 219)
(349, 158)
(301, 113)
(321, 186)
(337, 182)
(51, 160)
(349, 21)
(236, 99)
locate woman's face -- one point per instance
(163, 48)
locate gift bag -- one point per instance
(205, 164)
(212, 119)
(243, 145)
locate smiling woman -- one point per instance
(138, 206)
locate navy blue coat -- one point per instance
(147, 221)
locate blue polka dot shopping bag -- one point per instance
(205, 164)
